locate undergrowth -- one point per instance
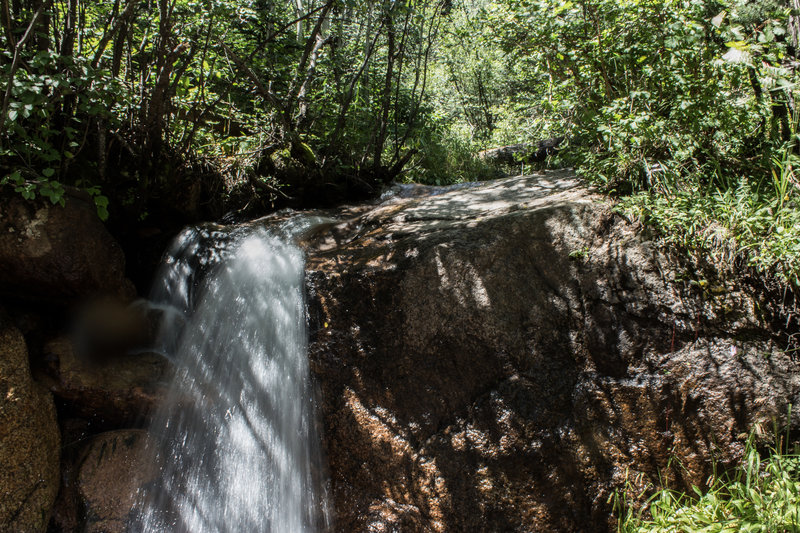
(754, 222)
(758, 495)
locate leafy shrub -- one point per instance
(56, 105)
(446, 157)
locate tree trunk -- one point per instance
(387, 94)
(68, 41)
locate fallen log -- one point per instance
(522, 153)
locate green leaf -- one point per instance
(742, 46)
(15, 178)
(48, 172)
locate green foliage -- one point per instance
(740, 224)
(134, 98)
(644, 81)
(688, 106)
(445, 156)
(732, 219)
(759, 495)
(53, 103)
(492, 93)
(52, 190)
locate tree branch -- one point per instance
(14, 66)
(107, 36)
(259, 85)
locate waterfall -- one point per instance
(236, 442)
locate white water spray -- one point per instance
(236, 442)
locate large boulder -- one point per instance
(102, 482)
(503, 357)
(54, 253)
(117, 391)
(29, 441)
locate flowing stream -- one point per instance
(236, 444)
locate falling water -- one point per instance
(236, 442)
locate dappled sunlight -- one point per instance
(436, 208)
(469, 266)
(376, 424)
(463, 282)
(521, 364)
(423, 481)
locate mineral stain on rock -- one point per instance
(57, 254)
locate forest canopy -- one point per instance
(188, 109)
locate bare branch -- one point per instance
(259, 85)
(118, 23)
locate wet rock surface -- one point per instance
(29, 441)
(117, 391)
(101, 481)
(502, 357)
(50, 253)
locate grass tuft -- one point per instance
(759, 495)
(742, 222)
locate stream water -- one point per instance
(236, 443)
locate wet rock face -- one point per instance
(29, 441)
(101, 483)
(110, 475)
(117, 391)
(503, 357)
(53, 253)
